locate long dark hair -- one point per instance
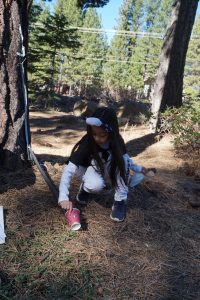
(116, 142)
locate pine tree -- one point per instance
(117, 69)
(147, 50)
(38, 62)
(169, 80)
(84, 4)
(52, 36)
(71, 10)
(192, 68)
(68, 60)
(13, 17)
(88, 72)
(139, 53)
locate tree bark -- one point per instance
(169, 82)
(13, 14)
(12, 109)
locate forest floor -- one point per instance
(154, 254)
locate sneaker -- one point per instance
(118, 211)
(82, 197)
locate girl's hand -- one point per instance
(144, 170)
(66, 204)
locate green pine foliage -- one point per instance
(157, 17)
(136, 57)
(71, 10)
(184, 124)
(56, 34)
(148, 46)
(184, 121)
(54, 55)
(192, 68)
(91, 55)
(84, 4)
(84, 61)
(117, 69)
(38, 62)
(74, 15)
(51, 34)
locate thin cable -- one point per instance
(151, 34)
(47, 179)
(134, 33)
(22, 56)
(31, 155)
(121, 61)
(124, 32)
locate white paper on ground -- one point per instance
(2, 233)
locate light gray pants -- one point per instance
(94, 182)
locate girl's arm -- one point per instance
(132, 165)
(65, 181)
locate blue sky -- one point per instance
(109, 13)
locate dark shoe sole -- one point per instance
(116, 219)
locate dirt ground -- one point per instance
(154, 254)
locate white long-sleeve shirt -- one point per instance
(68, 173)
(71, 169)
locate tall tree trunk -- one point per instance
(12, 109)
(169, 82)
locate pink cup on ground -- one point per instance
(73, 218)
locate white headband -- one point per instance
(93, 121)
(97, 122)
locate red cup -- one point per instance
(73, 218)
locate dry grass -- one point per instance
(153, 254)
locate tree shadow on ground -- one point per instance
(65, 129)
(153, 254)
(162, 232)
(17, 179)
(61, 103)
(81, 282)
(138, 145)
(53, 159)
(58, 122)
